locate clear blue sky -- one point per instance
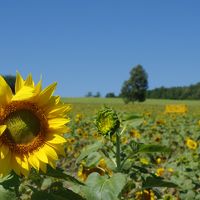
(91, 45)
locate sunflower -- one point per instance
(32, 122)
(191, 144)
(107, 121)
(145, 195)
(101, 169)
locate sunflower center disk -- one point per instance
(22, 126)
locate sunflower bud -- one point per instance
(107, 121)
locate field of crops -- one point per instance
(151, 153)
(151, 173)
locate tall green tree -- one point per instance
(135, 88)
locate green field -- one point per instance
(178, 131)
(90, 106)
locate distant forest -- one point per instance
(186, 92)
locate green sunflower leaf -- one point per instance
(59, 173)
(12, 180)
(157, 182)
(131, 116)
(101, 187)
(89, 149)
(56, 191)
(7, 194)
(152, 148)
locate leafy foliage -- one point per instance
(157, 182)
(7, 194)
(110, 95)
(88, 150)
(101, 187)
(185, 92)
(134, 89)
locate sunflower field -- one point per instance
(95, 148)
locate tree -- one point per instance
(135, 88)
(89, 94)
(110, 95)
(97, 94)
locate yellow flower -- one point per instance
(158, 160)
(160, 122)
(144, 161)
(157, 138)
(69, 148)
(154, 127)
(124, 140)
(171, 170)
(80, 131)
(144, 123)
(96, 136)
(135, 133)
(78, 117)
(31, 124)
(145, 195)
(102, 164)
(148, 114)
(178, 108)
(160, 171)
(191, 144)
(68, 130)
(72, 140)
(82, 173)
(85, 171)
(85, 135)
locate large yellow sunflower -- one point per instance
(32, 122)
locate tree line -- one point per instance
(136, 88)
(179, 93)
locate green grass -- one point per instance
(94, 100)
(89, 106)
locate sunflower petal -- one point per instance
(60, 130)
(43, 167)
(59, 110)
(29, 81)
(2, 129)
(5, 92)
(19, 83)
(33, 160)
(25, 172)
(53, 101)
(4, 151)
(42, 155)
(18, 160)
(24, 93)
(25, 164)
(46, 94)
(58, 148)
(38, 87)
(50, 152)
(5, 165)
(21, 165)
(15, 166)
(57, 122)
(52, 163)
(25, 167)
(55, 139)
